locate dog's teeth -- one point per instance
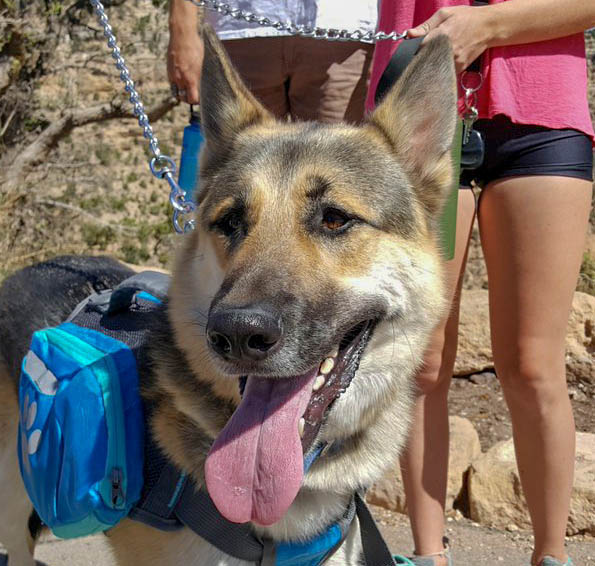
(301, 426)
(327, 366)
(333, 353)
(318, 383)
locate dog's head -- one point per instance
(314, 271)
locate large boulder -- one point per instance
(475, 352)
(580, 340)
(475, 349)
(495, 494)
(464, 449)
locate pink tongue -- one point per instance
(256, 464)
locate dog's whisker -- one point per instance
(426, 270)
(408, 344)
(392, 324)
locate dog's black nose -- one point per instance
(249, 333)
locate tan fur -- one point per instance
(374, 410)
(14, 533)
(389, 178)
(372, 416)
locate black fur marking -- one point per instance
(320, 187)
(362, 170)
(45, 294)
(233, 224)
(35, 525)
(173, 362)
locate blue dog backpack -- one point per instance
(81, 433)
(88, 460)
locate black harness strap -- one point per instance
(152, 282)
(376, 553)
(196, 510)
(174, 502)
(170, 500)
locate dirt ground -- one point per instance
(472, 545)
(479, 399)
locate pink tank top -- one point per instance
(543, 84)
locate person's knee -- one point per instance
(532, 378)
(433, 376)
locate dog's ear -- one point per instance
(227, 106)
(418, 117)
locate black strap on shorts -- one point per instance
(404, 54)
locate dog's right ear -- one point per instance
(226, 105)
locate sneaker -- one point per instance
(549, 561)
(430, 560)
(420, 560)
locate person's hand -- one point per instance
(467, 27)
(185, 53)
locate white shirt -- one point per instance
(337, 14)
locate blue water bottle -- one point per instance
(191, 143)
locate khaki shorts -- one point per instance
(306, 79)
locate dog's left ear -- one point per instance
(227, 107)
(418, 118)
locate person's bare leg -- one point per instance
(533, 232)
(424, 465)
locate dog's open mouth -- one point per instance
(256, 465)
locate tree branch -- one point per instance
(71, 119)
(91, 217)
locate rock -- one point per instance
(577, 394)
(483, 378)
(5, 64)
(388, 492)
(582, 507)
(495, 495)
(464, 448)
(476, 276)
(580, 340)
(475, 352)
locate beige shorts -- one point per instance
(307, 79)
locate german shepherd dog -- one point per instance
(315, 259)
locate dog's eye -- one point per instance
(232, 224)
(335, 220)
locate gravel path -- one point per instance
(472, 546)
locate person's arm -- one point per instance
(185, 50)
(472, 30)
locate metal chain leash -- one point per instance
(329, 34)
(162, 166)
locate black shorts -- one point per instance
(514, 150)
